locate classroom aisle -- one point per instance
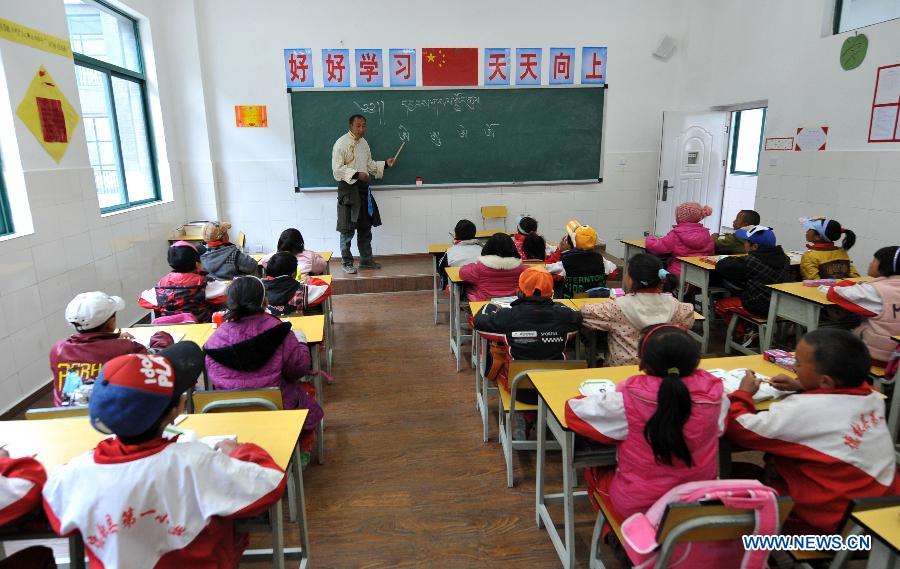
(408, 482)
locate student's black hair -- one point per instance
(290, 240)
(888, 261)
(183, 259)
(534, 247)
(840, 354)
(353, 118)
(153, 431)
(502, 245)
(750, 216)
(464, 230)
(833, 231)
(528, 224)
(643, 269)
(280, 264)
(245, 298)
(667, 351)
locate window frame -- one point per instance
(836, 20)
(109, 71)
(7, 227)
(735, 137)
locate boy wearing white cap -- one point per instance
(75, 361)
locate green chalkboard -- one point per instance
(456, 136)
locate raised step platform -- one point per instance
(398, 273)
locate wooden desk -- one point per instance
(696, 271)
(456, 335)
(313, 328)
(633, 247)
(555, 388)
(276, 431)
(437, 252)
(884, 525)
(197, 333)
(797, 303)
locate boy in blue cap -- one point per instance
(139, 499)
(764, 264)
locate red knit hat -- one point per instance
(691, 212)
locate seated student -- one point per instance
(497, 271)
(21, 482)
(829, 443)
(309, 262)
(649, 302)
(285, 294)
(764, 264)
(140, 496)
(465, 249)
(253, 349)
(536, 328)
(823, 259)
(688, 238)
(877, 302)
(581, 263)
(526, 226)
(75, 361)
(223, 260)
(729, 243)
(666, 424)
(184, 290)
(534, 248)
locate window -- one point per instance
(853, 14)
(113, 91)
(746, 142)
(6, 222)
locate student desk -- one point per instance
(197, 333)
(313, 328)
(555, 388)
(437, 251)
(479, 345)
(633, 247)
(276, 431)
(884, 525)
(797, 303)
(456, 335)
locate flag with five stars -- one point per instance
(449, 66)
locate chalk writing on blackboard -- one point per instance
(402, 133)
(490, 130)
(372, 108)
(456, 102)
(461, 131)
(436, 137)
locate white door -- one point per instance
(691, 165)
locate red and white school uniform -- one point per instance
(21, 481)
(828, 447)
(162, 504)
(878, 302)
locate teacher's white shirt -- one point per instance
(350, 156)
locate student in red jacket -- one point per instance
(141, 500)
(829, 443)
(21, 482)
(497, 271)
(185, 290)
(75, 361)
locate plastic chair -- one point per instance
(238, 400)
(493, 212)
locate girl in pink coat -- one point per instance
(666, 424)
(688, 238)
(497, 271)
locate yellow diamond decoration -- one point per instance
(48, 114)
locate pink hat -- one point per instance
(691, 212)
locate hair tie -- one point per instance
(674, 371)
(896, 253)
(843, 230)
(663, 274)
(644, 283)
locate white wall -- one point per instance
(778, 51)
(242, 64)
(72, 248)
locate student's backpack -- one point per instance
(640, 530)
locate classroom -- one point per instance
(589, 284)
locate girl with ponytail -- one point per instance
(823, 258)
(666, 423)
(648, 301)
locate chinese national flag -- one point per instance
(449, 66)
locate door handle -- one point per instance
(665, 189)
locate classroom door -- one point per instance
(691, 165)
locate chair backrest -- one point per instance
(742, 521)
(232, 400)
(240, 240)
(56, 412)
(493, 211)
(522, 367)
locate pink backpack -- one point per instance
(183, 318)
(640, 530)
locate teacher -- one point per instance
(353, 167)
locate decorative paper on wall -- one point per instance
(780, 143)
(34, 38)
(810, 138)
(449, 66)
(403, 67)
(298, 67)
(48, 114)
(884, 123)
(251, 116)
(528, 65)
(593, 65)
(369, 71)
(853, 51)
(562, 65)
(336, 67)
(496, 66)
